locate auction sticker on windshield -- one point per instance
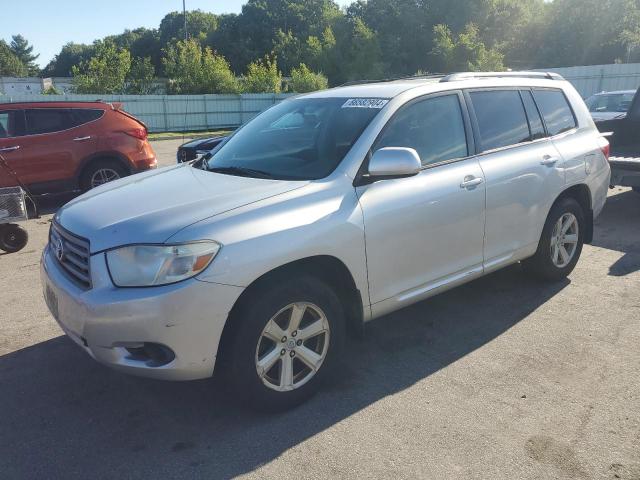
(365, 103)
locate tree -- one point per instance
(464, 52)
(192, 69)
(105, 72)
(263, 76)
(304, 80)
(21, 49)
(10, 65)
(199, 25)
(71, 54)
(140, 78)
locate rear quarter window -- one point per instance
(80, 116)
(555, 110)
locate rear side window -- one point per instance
(80, 116)
(47, 120)
(11, 123)
(501, 118)
(535, 122)
(555, 110)
(433, 127)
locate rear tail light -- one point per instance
(603, 143)
(139, 133)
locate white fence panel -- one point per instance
(166, 113)
(601, 78)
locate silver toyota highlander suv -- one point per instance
(324, 212)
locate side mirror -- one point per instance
(394, 162)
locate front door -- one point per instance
(425, 231)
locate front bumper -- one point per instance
(187, 317)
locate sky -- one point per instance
(49, 25)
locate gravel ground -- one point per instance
(501, 378)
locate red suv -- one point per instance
(66, 146)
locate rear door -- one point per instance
(56, 142)
(523, 171)
(11, 129)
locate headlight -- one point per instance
(149, 265)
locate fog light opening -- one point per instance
(152, 354)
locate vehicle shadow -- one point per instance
(618, 228)
(65, 416)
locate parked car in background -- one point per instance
(256, 261)
(57, 147)
(198, 147)
(608, 105)
(625, 145)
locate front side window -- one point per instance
(299, 139)
(555, 110)
(10, 125)
(434, 127)
(501, 118)
(47, 120)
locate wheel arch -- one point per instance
(327, 268)
(101, 156)
(581, 193)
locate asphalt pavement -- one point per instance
(504, 377)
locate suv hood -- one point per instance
(151, 207)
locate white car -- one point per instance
(609, 105)
(324, 212)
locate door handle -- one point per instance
(471, 181)
(81, 139)
(548, 160)
(9, 149)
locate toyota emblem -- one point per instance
(58, 248)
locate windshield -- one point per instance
(613, 102)
(299, 139)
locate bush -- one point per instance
(263, 76)
(304, 80)
(192, 69)
(140, 79)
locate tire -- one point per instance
(12, 238)
(543, 265)
(248, 343)
(100, 172)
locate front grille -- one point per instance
(72, 254)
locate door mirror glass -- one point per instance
(394, 162)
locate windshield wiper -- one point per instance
(241, 172)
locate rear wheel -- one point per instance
(561, 243)
(101, 172)
(12, 238)
(286, 340)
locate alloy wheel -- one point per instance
(564, 240)
(292, 346)
(102, 176)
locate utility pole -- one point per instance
(184, 14)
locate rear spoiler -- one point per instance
(119, 107)
(606, 134)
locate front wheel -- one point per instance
(286, 340)
(561, 243)
(12, 238)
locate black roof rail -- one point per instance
(471, 75)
